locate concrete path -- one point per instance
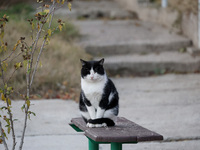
(169, 105)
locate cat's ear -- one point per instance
(101, 61)
(83, 62)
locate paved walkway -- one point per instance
(168, 104)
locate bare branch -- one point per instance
(41, 49)
(11, 124)
(26, 108)
(3, 138)
(2, 73)
(24, 128)
(38, 58)
(34, 44)
(16, 56)
(29, 67)
(11, 76)
(10, 54)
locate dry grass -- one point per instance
(59, 73)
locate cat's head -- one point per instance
(92, 71)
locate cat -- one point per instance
(99, 100)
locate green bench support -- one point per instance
(125, 131)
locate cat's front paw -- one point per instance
(90, 125)
(100, 125)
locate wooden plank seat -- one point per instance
(125, 131)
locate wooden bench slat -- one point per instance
(124, 131)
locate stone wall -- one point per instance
(187, 24)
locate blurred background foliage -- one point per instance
(59, 73)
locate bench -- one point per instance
(125, 131)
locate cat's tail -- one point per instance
(109, 122)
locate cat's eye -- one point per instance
(97, 69)
(86, 69)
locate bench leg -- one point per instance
(93, 145)
(116, 146)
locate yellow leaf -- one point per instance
(15, 47)
(25, 62)
(46, 11)
(39, 1)
(40, 64)
(18, 65)
(9, 101)
(2, 34)
(28, 103)
(3, 97)
(69, 6)
(33, 26)
(58, 1)
(47, 41)
(38, 26)
(48, 20)
(18, 42)
(5, 86)
(49, 32)
(4, 65)
(63, 1)
(4, 47)
(60, 27)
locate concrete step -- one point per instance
(96, 10)
(166, 62)
(103, 38)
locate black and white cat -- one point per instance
(99, 101)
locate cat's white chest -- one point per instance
(93, 91)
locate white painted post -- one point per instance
(164, 3)
(199, 23)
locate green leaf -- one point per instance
(22, 108)
(8, 121)
(33, 113)
(5, 86)
(3, 108)
(9, 130)
(29, 70)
